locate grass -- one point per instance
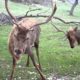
(56, 56)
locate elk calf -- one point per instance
(73, 36)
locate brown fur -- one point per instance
(27, 22)
(24, 36)
(23, 40)
(73, 36)
(25, 33)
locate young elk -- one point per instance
(73, 36)
(25, 35)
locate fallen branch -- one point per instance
(65, 21)
(44, 16)
(27, 13)
(38, 15)
(32, 10)
(56, 27)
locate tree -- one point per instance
(73, 7)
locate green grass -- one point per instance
(18, 9)
(56, 56)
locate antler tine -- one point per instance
(57, 28)
(32, 10)
(53, 12)
(6, 6)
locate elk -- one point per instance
(23, 37)
(73, 35)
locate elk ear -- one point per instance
(75, 29)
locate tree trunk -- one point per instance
(73, 7)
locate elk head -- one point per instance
(20, 40)
(71, 36)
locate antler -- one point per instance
(57, 28)
(53, 12)
(13, 17)
(47, 20)
(6, 6)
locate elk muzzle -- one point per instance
(17, 51)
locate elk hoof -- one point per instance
(43, 78)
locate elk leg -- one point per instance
(37, 53)
(27, 64)
(37, 68)
(13, 68)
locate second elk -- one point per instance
(73, 36)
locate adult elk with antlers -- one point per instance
(24, 35)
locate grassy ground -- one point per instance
(56, 56)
